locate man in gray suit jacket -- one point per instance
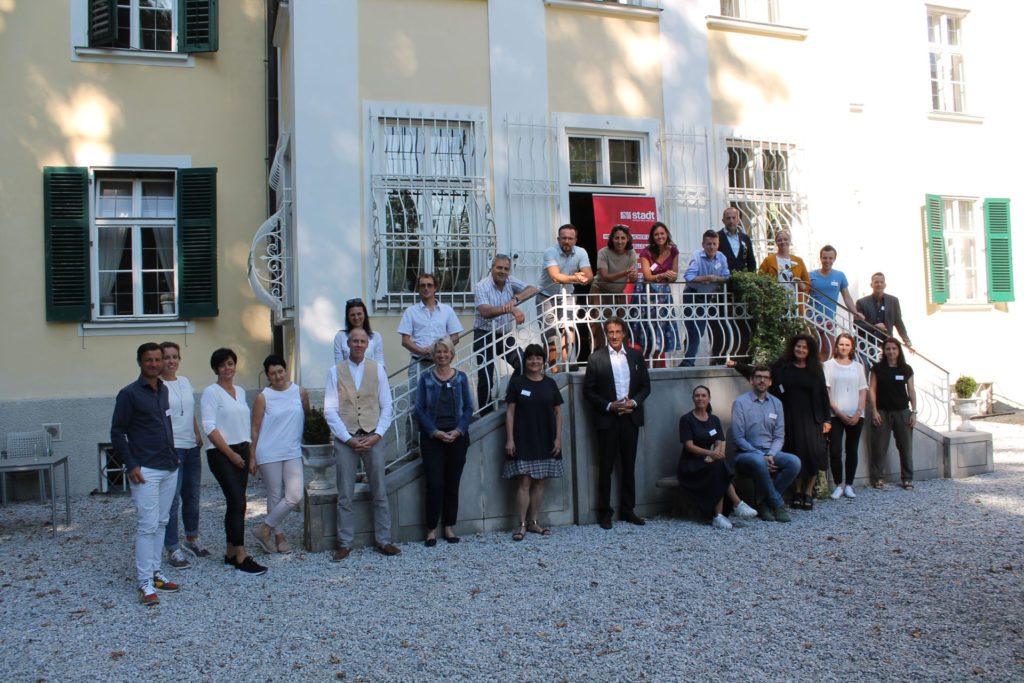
(881, 311)
(616, 385)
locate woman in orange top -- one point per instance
(789, 269)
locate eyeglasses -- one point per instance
(353, 301)
(426, 285)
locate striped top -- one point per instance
(487, 294)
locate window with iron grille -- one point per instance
(946, 60)
(760, 187)
(430, 208)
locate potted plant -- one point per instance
(167, 303)
(773, 312)
(317, 449)
(965, 403)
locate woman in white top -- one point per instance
(226, 423)
(278, 416)
(187, 442)
(356, 316)
(847, 394)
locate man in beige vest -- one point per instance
(357, 405)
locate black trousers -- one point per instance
(835, 450)
(483, 349)
(618, 442)
(442, 469)
(233, 482)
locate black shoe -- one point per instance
(633, 518)
(430, 542)
(452, 539)
(230, 561)
(606, 523)
(251, 567)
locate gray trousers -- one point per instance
(895, 424)
(346, 461)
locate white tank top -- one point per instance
(281, 431)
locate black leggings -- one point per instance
(233, 482)
(836, 450)
(442, 467)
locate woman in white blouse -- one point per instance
(278, 416)
(357, 316)
(226, 423)
(847, 394)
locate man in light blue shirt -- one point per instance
(828, 285)
(565, 265)
(758, 430)
(707, 270)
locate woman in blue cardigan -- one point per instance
(444, 406)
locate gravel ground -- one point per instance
(895, 585)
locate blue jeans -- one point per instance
(190, 473)
(755, 466)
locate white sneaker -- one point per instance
(744, 511)
(720, 522)
(837, 493)
(178, 560)
(848, 492)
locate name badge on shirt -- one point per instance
(782, 389)
(882, 308)
(835, 284)
(525, 392)
(712, 432)
(168, 412)
(773, 416)
(899, 378)
(447, 385)
(718, 266)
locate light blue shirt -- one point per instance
(573, 262)
(700, 265)
(758, 426)
(826, 290)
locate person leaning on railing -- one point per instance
(787, 268)
(707, 271)
(444, 407)
(616, 268)
(660, 265)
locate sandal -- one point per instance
(535, 528)
(879, 484)
(808, 502)
(907, 486)
(520, 533)
(797, 503)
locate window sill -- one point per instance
(606, 7)
(954, 117)
(463, 303)
(136, 327)
(757, 28)
(143, 57)
(967, 307)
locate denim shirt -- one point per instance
(427, 393)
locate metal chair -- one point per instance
(34, 444)
(28, 451)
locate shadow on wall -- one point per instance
(730, 73)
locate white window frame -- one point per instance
(474, 184)
(953, 236)
(81, 52)
(605, 161)
(762, 11)
(942, 86)
(99, 176)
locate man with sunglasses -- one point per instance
(424, 323)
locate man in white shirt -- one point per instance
(424, 323)
(357, 405)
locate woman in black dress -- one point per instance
(533, 449)
(798, 380)
(704, 473)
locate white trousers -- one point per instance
(283, 480)
(152, 507)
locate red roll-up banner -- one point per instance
(636, 213)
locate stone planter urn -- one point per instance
(318, 457)
(967, 408)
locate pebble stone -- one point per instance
(894, 586)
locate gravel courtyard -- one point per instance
(895, 585)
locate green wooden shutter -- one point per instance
(197, 242)
(197, 26)
(66, 242)
(102, 23)
(936, 250)
(1000, 255)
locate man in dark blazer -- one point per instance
(735, 244)
(616, 385)
(882, 312)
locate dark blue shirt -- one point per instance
(141, 427)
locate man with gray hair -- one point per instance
(497, 298)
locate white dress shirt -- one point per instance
(229, 416)
(620, 371)
(331, 409)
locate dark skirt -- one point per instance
(806, 441)
(704, 482)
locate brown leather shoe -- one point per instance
(633, 518)
(387, 549)
(606, 523)
(340, 554)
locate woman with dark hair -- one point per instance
(847, 393)
(278, 417)
(533, 446)
(660, 265)
(226, 423)
(356, 315)
(704, 473)
(894, 404)
(616, 268)
(444, 407)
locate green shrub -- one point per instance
(315, 430)
(774, 314)
(965, 386)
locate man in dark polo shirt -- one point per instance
(142, 436)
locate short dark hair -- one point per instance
(760, 367)
(273, 359)
(426, 275)
(623, 229)
(144, 349)
(879, 274)
(828, 247)
(170, 345)
(614, 320)
(709, 233)
(568, 226)
(535, 350)
(221, 356)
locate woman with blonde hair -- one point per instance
(847, 393)
(790, 270)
